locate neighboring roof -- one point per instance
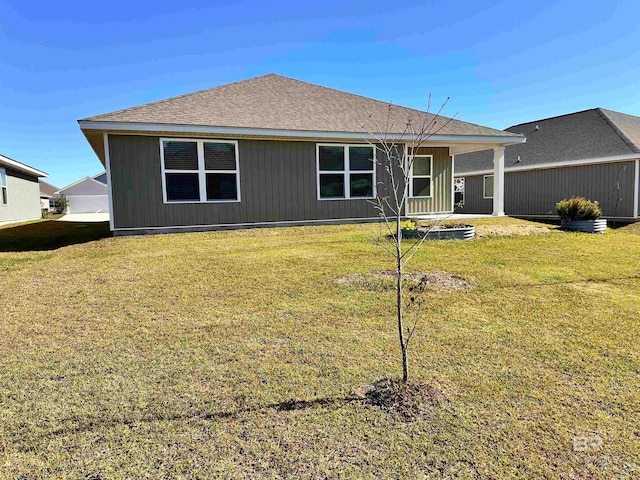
(85, 186)
(47, 190)
(589, 134)
(627, 126)
(101, 177)
(273, 102)
(21, 167)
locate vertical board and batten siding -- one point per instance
(278, 183)
(441, 184)
(536, 192)
(474, 201)
(23, 197)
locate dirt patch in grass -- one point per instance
(385, 280)
(510, 230)
(404, 402)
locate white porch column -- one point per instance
(498, 181)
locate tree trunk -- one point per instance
(403, 346)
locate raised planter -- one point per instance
(452, 233)
(589, 226)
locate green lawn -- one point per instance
(234, 354)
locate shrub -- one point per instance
(410, 224)
(61, 205)
(45, 213)
(578, 208)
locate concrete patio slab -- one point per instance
(85, 217)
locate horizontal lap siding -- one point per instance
(441, 184)
(277, 183)
(536, 192)
(23, 195)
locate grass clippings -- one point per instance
(385, 280)
(510, 230)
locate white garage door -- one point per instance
(87, 204)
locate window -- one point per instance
(200, 170)
(487, 187)
(420, 186)
(345, 171)
(4, 198)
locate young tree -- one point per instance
(396, 153)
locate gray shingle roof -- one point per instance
(47, 190)
(279, 103)
(102, 178)
(594, 133)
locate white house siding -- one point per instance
(23, 192)
(86, 196)
(87, 204)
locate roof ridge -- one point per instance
(272, 74)
(630, 143)
(165, 100)
(382, 101)
(551, 118)
(352, 94)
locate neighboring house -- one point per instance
(594, 154)
(47, 196)
(88, 195)
(267, 151)
(19, 191)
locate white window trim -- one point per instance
(346, 172)
(202, 172)
(484, 185)
(3, 173)
(430, 176)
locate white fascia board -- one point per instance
(542, 166)
(22, 167)
(262, 132)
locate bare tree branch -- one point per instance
(395, 153)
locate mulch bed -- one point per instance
(404, 402)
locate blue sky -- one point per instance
(501, 63)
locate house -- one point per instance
(268, 151)
(19, 191)
(594, 153)
(47, 196)
(87, 195)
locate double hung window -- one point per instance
(345, 171)
(200, 171)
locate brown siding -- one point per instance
(536, 192)
(277, 183)
(441, 184)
